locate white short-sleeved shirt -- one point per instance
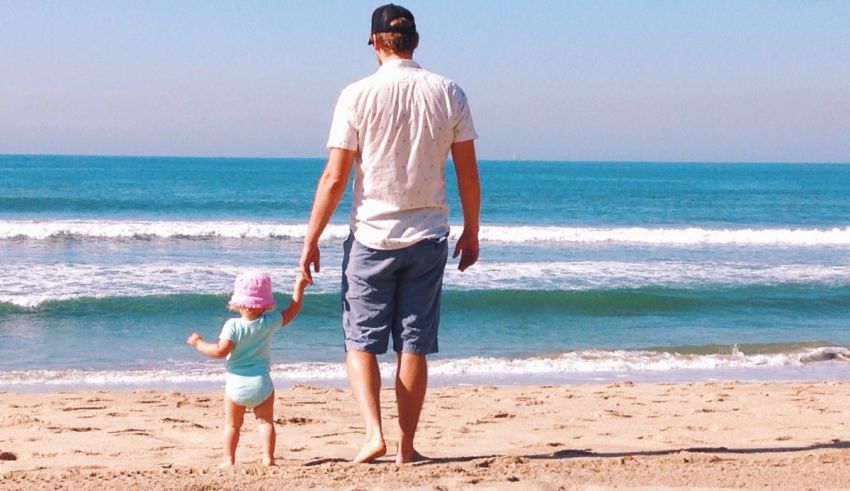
(402, 121)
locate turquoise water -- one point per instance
(589, 271)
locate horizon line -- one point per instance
(518, 159)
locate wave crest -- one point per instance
(37, 285)
(607, 364)
(100, 229)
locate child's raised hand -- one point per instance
(291, 311)
(193, 339)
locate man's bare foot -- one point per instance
(227, 464)
(268, 462)
(371, 451)
(414, 456)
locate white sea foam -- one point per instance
(689, 236)
(110, 229)
(591, 361)
(592, 275)
(670, 236)
(31, 284)
(609, 364)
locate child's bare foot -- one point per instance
(412, 456)
(268, 462)
(226, 464)
(371, 451)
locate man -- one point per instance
(395, 128)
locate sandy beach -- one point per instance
(685, 435)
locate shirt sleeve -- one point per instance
(464, 129)
(228, 332)
(343, 132)
(273, 320)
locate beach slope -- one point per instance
(685, 435)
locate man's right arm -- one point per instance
(328, 193)
(469, 188)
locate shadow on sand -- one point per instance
(573, 453)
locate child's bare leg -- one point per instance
(234, 415)
(265, 419)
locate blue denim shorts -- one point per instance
(392, 293)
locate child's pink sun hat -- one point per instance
(253, 290)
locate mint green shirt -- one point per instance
(251, 354)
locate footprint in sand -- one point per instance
(530, 402)
(19, 419)
(131, 431)
(83, 408)
(45, 455)
(336, 434)
(85, 452)
(202, 402)
(297, 420)
(183, 422)
(79, 429)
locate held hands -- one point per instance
(301, 282)
(467, 247)
(309, 255)
(291, 311)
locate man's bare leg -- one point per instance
(365, 380)
(411, 383)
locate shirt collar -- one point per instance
(399, 63)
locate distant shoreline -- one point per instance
(481, 160)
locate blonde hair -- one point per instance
(397, 42)
(249, 312)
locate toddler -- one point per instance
(246, 342)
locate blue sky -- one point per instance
(556, 80)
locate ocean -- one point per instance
(589, 272)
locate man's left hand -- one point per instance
(309, 256)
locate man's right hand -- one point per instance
(309, 256)
(328, 193)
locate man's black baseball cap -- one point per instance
(383, 17)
